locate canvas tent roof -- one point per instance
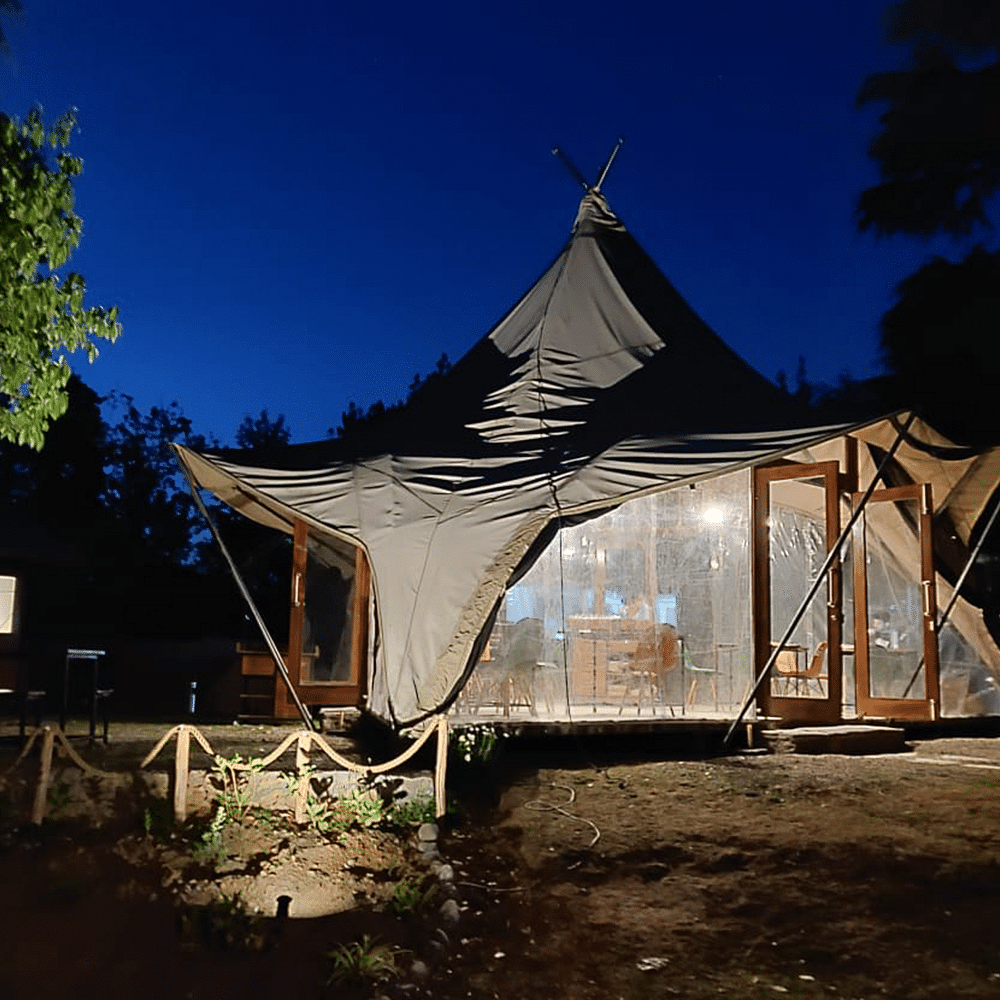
(601, 383)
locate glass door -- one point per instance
(328, 624)
(796, 524)
(895, 638)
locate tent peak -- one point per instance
(578, 176)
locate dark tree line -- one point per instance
(938, 155)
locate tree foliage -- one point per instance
(42, 315)
(153, 517)
(941, 340)
(938, 155)
(938, 150)
(366, 429)
(7, 7)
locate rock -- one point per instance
(446, 873)
(419, 969)
(449, 911)
(428, 832)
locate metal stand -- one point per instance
(96, 694)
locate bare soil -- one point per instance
(748, 876)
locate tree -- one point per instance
(153, 518)
(42, 316)
(262, 434)
(7, 7)
(373, 428)
(938, 155)
(938, 151)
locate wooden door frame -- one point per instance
(347, 693)
(793, 709)
(925, 708)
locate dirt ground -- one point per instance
(746, 876)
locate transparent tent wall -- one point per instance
(642, 611)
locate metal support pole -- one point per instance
(607, 166)
(958, 586)
(571, 167)
(832, 555)
(268, 638)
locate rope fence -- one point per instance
(305, 741)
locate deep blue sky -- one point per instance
(305, 204)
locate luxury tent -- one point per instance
(602, 511)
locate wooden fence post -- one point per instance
(440, 768)
(181, 763)
(302, 770)
(44, 774)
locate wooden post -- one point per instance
(44, 774)
(441, 768)
(302, 769)
(181, 763)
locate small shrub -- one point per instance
(476, 744)
(363, 961)
(412, 894)
(413, 812)
(158, 820)
(209, 852)
(367, 807)
(235, 775)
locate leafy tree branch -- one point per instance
(42, 315)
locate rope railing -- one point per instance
(50, 737)
(304, 741)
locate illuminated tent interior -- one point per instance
(602, 512)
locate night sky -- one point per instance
(296, 206)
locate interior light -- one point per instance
(714, 515)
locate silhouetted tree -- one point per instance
(367, 430)
(262, 555)
(7, 7)
(938, 154)
(153, 517)
(264, 435)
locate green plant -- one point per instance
(235, 776)
(476, 743)
(158, 820)
(367, 807)
(321, 815)
(412, 895)
(209, 851)
(362, 961)
(413, 812)
(58, 797)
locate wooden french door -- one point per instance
(895, 605)
(796, 524)
(328, 625)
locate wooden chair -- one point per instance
(645, 672)
(797, 678)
